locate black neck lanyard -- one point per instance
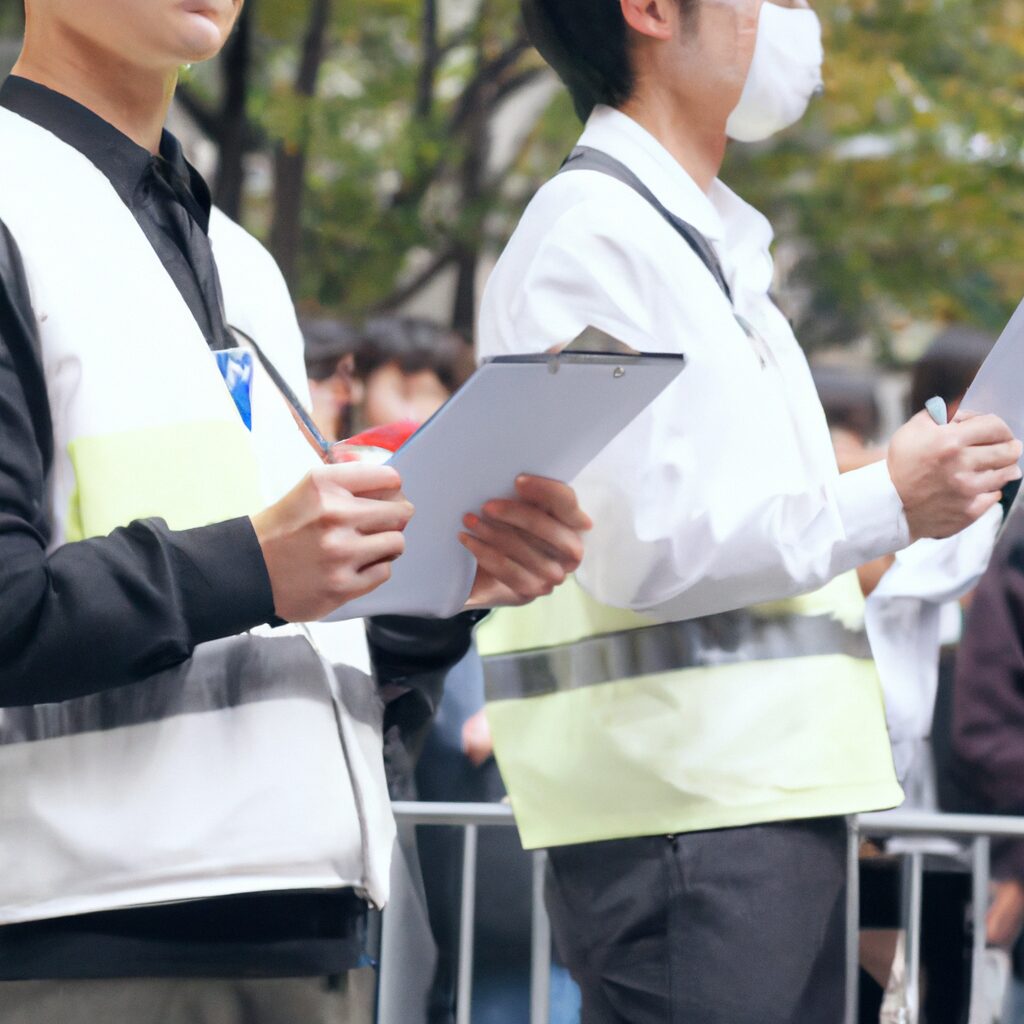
(584, 158)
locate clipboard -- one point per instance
(996, 388)
(547, 415)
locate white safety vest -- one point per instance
(608, 725)
(251, 767)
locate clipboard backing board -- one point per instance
(997, 388)
(547, 415)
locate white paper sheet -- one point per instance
(997, 387)
(545, 415)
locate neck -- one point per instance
(134, 100)
(698, 149)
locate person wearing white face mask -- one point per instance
(785, 72)
(680, 729)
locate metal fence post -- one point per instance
(980, 851)
(852, 920)
(464, 997)
(980, 871)
(915, 894)
(407, 957)
(540, 947)
(386, 971)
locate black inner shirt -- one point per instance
(165, 193)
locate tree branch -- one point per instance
(513, 84)
(486, 76)
(453, 42)
(406, 291)
(313, 48)
(290, 158)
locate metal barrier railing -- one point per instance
(978, 829)
(471, 817)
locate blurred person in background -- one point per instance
(988, 729)
(947, 368)
(330, 363)
(848, 397)
(690, 774)
(915, 699)
(407, 368)
(854, 420)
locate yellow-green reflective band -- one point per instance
(696, 749)
(840, 598)
(566, 615)
(725, 639)
(189, 474)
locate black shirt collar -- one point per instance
(122, 161)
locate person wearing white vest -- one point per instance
(193, 811)
(682, 731)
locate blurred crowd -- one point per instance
(958, 758)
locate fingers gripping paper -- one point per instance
(547, 415)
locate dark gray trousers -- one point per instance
(735, 926)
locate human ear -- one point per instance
(649, 17)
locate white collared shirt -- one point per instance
(725, 492)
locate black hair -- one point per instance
(849, 400)
(413, 345)
(948, 365)
(327, 342)
(587, 44)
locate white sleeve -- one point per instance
(678, 544)
(706, 502)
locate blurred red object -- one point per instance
(375, 445)
(390, 436)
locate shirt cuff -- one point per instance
(225, 587)
(872, 512)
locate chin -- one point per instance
(200, 37)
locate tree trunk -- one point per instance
(234, 124)
(428, 66)
(464, 307)
(290, 155)
(286, 229)
(476, 132)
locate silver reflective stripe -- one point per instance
(726, 639)
(223, 674)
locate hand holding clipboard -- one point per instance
(545, 415)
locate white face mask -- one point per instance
(784, 74)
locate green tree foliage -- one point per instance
(900, 195)
(382, 154)
(904, 184)
(12, 17)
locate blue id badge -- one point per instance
(236, 367)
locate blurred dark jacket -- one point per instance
(988, 699)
